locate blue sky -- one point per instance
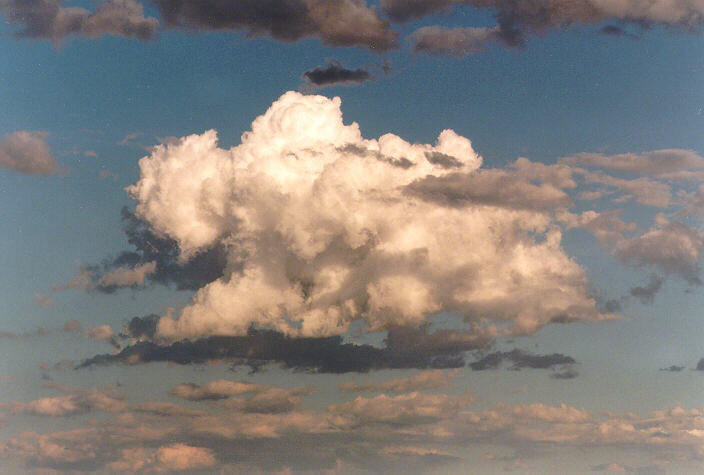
(560, 251)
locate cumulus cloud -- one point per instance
(433, 379)
(27, 152)
(334, 73)
(48, 19)
(323, 228)
(334, 22)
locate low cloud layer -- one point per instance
(27, 152)
(48, 19)
(404, 348)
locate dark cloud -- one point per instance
(700, 365)
(27, 152)
(613, 30)
(334, 73)
(407, 10)
(47, 19)
(405, 348)
(568, 372)
(193, 274)
(673, 369)
(335, 22)
(646, 293)
(522, 359)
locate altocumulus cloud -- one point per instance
(324, 228)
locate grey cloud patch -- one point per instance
(513, 189)
(203, 268)
(673, 369)
(47, 19)
(27, 152)
(442, 159)
(521, 359)
(334, 22)
(664, 164)
(646, 293)
(405, 348)
(613, 30)
(334, 73)
(700, 365)
(569, 372)
(407, 10)
(673, 247)
(401, 162)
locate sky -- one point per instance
(351, 236)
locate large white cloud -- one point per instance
(325, 227)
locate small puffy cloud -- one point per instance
(673, 247)
(27, 152)
(426, 380)
(324, 228)
(166, 409)
(334, 22)
(334, 73)
(48, 19)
